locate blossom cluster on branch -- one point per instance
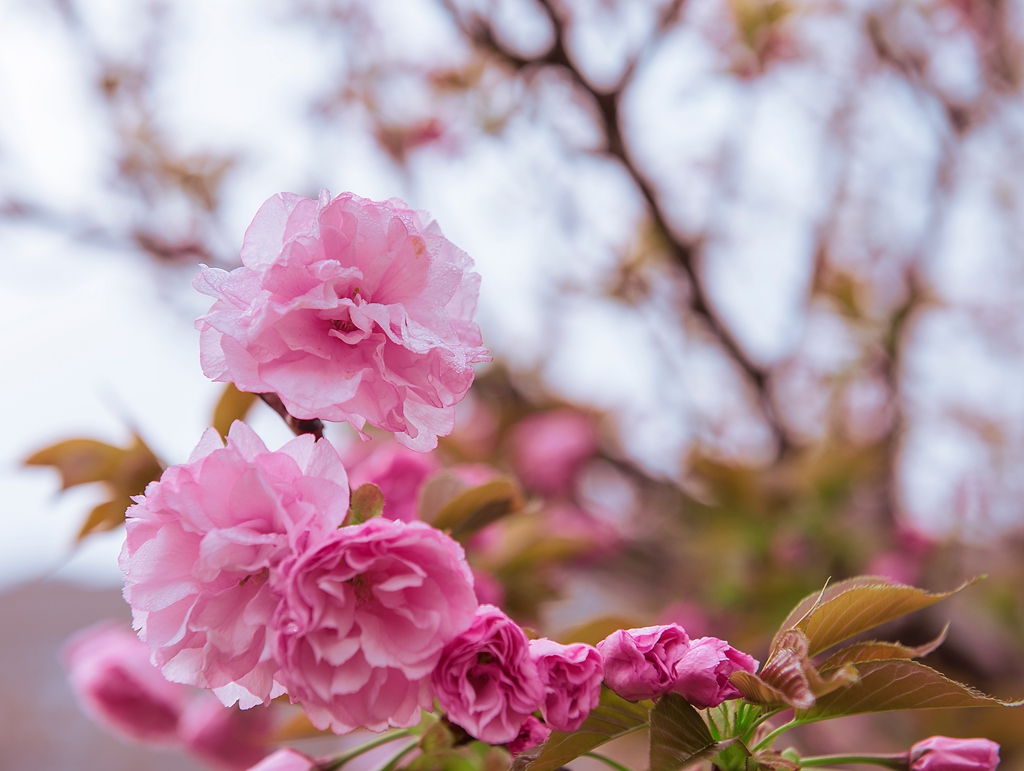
(257, 573)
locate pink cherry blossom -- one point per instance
(486, 680)
(641, 663)
(572, 677)
(532, 734)
(550, 447)
(364, 615)
(942, 753)
(116, 685)
(200, 546)
(285, 759)
(702, 674)
(350, 310)
(224, 737)
(399, 473)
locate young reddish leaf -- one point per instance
(233, 405)
(473, 509)
(137, 467)
(879, 651)
(854, 606)
(679, 736)
(898, 684)
(612, 718)
(789, 677)
(367, 502)
(79, 461)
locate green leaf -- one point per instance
(880, 651)
(79, 461)
(679, 735)
(851, 607)
(898, 684)
(367, 502)
(612, 718)
(233, 405)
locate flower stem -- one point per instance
(748, 734)
(393, 763)
(895, 762)
(355, 752)
(606, 760)
(772, 736)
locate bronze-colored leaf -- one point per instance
(854, 606)
(137, 467)
(612, 718)
(231, 406)
(104, 517)
(898, 684)
(880, 651)
(473, 509)
(679, 736)
(79, 461)
(367, 502)
(756, 691)
(440, 489)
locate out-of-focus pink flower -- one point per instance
(702, 674)
(349, 310)
(364, 616)
(548, 449)
(572, 679)
(285, 759)
(489, 590)
(941, 753)
(532, 734)
(116, 685)
(486, 680)
(641, 663)
(200, 546)
(224, 737)
(399, 473)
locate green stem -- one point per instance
(749, 733)
(393, 763)
(606, 760)
(895, 762)
(355, 752)
(771, 737)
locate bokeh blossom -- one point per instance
(486, 680)
(398, 472)
(115, 684)
(200, 545)
(363, 618)
(349, 310)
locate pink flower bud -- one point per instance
(941, 753)
(285, 760)
(641, 663)
(572, 678)
(116, 685)
(486, 680)
(702, 674)
(533, 734)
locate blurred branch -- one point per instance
(685, 253)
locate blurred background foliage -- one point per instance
(752, 279)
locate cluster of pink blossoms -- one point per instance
(243, 571)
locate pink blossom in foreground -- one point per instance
(363, 618)
(200, 546)
(349, 310)
(486, 680)
(115, 684)
(224, 737)
(572, 680)
(399, 473)
(548, 449)
(641, 663)
(702, 674)
(532, 734)
(285, 759)
(941, 753)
